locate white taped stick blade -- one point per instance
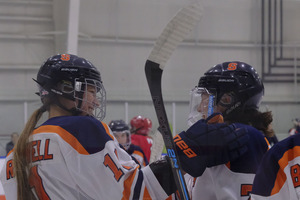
(175, 32)
(157, 147)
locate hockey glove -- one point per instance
(206, 145)
(163, 173)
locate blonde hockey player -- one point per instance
(73, 155)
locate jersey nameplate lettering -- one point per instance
(38, 153)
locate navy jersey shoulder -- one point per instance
(87, 130)
(268, 170)
(257, 146)
(285, 145)
(133, 148)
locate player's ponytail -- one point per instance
(22, 159)
(259, 120)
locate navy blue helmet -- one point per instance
(68, 75)
(237, 78)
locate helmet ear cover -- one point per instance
(227, 99)
(218, 85)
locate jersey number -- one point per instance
(35, 182)
(246, 189)
(295, 173)
(108, 162)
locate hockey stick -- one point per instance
(174, 33)
(157, 147)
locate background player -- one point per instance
(140, 129)
(235, 90)
(122, 132)
(73, 155)
(296, 128)
(13, 141)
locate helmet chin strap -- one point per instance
(232, 107)
(136, 130)
(74, 111)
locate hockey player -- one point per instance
(235, 90)
(73, 155)
(122, 132)
(296, 129)
(140, 129)
(278, 175)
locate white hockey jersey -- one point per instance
(232, 180)
(77, 157)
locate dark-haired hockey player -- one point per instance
(235, 90)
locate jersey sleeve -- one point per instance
(138, 154)
(111, 169)
(278, 176)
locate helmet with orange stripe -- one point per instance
(231, 86)
(74, 78)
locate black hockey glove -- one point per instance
(206, 145)
(163, 173)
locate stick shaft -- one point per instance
(153, 74)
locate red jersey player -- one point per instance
(140, 128)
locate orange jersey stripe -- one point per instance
(146, 194)
(228, 165)
(127, 167)
(107, 130)
(128, 184)
(138, 153)
(10, 152)
(36, 182)
(268, 143)
(65, 135)
(283, 162)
